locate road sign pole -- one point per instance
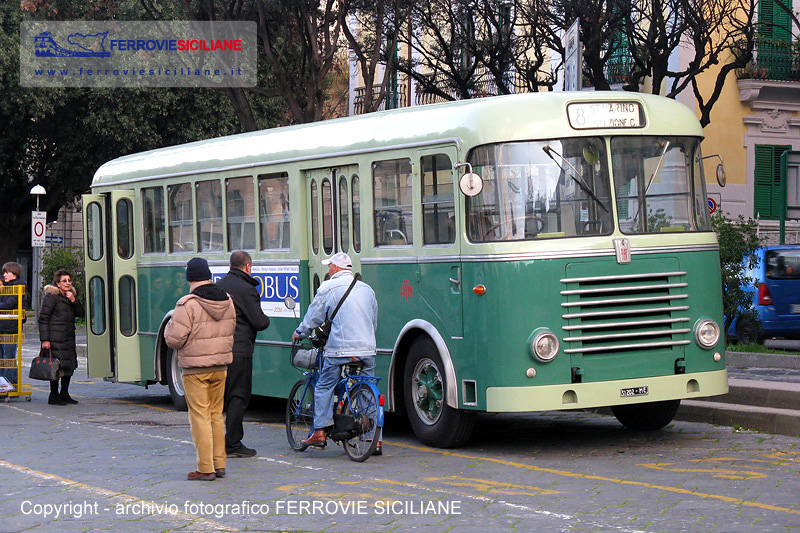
(38, 240)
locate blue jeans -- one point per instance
(328, 378)
(9, 351)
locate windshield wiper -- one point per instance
(650, 181)
(577, 175)
(658, 167)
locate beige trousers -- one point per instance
(205, 395)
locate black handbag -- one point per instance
(45, 367)
(321, 334)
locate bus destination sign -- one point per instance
(593, 115)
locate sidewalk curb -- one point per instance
(788, 361)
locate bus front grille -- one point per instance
(610, 314)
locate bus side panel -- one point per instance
(273, 375)
(159, 289)
(520, 297)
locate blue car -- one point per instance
(776, 296)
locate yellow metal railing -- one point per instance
(18, 315)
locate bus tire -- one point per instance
(650, 416)
(175, 381)
(424, 384)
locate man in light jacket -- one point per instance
(352, 335)
(201, 330)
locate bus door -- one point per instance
(98, 337)
(441, 278)
(331, 200)
(126, 358)
(113, 347)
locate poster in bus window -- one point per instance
(275, 284)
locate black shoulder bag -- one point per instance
(320, 337)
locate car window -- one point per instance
(783, 264)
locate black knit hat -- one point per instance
(197, 270)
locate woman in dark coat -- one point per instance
(57, 331)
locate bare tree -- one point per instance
(300, 39)
(372, 29)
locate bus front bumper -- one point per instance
(606, 393)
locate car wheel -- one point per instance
(748, 332)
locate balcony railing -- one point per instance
(773, 60)
(396, 99)
(485, 85)
(617, 69)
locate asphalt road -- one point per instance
(118, 461)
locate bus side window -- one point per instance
(240, 214)
(356, 214)
(181, 236)
(391, 188)
(438, 211)
(153, 217)
(273, 199)
(209, 216)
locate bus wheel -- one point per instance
(175, 381)
(646, 416)
(434, 422)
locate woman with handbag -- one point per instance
(57, 331)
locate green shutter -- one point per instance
(782, 21)
(767, 181)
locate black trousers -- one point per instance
(238, 385)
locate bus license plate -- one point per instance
(633, 391)
(794, 308)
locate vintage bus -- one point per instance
(528, 252)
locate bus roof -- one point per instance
(466, 122)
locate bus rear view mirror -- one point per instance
(722, 178)
(289, 302)
(471, 184)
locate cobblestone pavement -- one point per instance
(118, 461)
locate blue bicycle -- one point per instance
(358, 406)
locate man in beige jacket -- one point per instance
(201, 330)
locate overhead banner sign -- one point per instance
(38, 228)
(83, 53)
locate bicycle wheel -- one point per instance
(300, 414)
(363, 406)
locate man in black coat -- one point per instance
(249, 320)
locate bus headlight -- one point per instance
(707, 333)
(544, 346)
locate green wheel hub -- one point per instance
(427, 391)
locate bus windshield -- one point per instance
(542, 189)
(659, 184)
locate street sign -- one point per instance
(573, 58)
(38, 228)
(712, 205)
(54, 239)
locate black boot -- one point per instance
(55, 397)
(65, 397)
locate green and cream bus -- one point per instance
(528, 252)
